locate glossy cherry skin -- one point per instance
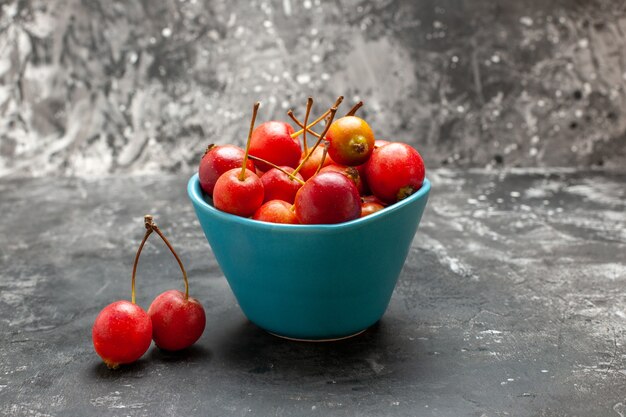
(351, 141)
(326, 198)
(278, 185)
(122, 333)
(370, 207)
(310, 166)
(238, 197)
(350, 172)
(177, 323)
(394, 172)
(272, 141)
(217, 160)
(276, 211)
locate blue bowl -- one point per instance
(312, 282)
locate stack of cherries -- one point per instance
(346, 174)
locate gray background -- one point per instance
(99, 87)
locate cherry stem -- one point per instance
(319, 119)
(329, 121)
(323, 157)
(255, 109)
(313, 123)
(309, 104)
(293, 177)
(143, 242)
(151, 226)
(299, 123)
(208, 148)
(353, 110)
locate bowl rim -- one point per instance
(195, 194)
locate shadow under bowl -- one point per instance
(312, 282)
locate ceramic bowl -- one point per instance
(312, 282)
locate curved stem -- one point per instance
(150, 223)
(255, 109)
(331, 116)
(308, 129)
(353, 110)
(313, 123)
(319, 119)
(309, 104)
(291, 176)
(325, 151)
(143, 242)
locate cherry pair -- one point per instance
(123, 331)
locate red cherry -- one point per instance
(122, 333)
(370, 207)
(272, 141)
(276, 211)
(278, 185)
(216, 161)
(351, 141)
(350, 172)
(328, 197)
(234, 195)
(177, 322)
(177, 319)
(309, 168)
(394, 172)
(379, 143)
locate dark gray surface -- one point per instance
(143, 86)
(509, 305)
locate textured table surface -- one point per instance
(512, 302)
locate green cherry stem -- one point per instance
(255, 109)
(293, 177)
(153, 227)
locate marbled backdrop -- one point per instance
(92, 87)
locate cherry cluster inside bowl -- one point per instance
(343, 173)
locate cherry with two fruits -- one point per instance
(123, 331)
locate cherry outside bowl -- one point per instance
(313, 282)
